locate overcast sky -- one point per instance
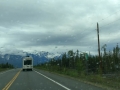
(58, 25)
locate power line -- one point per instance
(109, 16)
(109, 23)
(105, 19)
(91, 31)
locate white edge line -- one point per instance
(53, 81)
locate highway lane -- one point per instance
(6, 76)
(40, 80)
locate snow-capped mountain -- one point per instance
(39, 57)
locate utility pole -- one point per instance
(99, 46)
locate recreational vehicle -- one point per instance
(27, 63)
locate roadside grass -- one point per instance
(4, 69)
(110, 83)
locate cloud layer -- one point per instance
(58, 25)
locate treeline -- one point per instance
(81, 62)
(6, 65)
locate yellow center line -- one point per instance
(10, 83)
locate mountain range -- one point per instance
(38, 58)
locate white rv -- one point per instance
(27, 63)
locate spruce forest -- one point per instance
(85, 63)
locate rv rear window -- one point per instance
(27, 62)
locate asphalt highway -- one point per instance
(16, 79)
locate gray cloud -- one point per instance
(29, 25)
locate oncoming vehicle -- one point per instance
(27, 63)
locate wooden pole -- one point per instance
(99, 46)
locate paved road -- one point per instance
(40, 80)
